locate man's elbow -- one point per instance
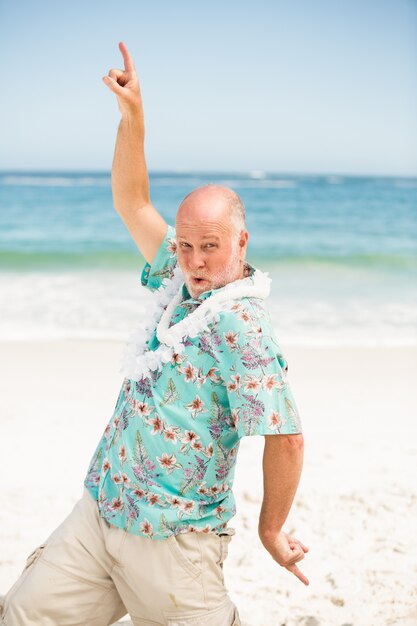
(290, 442)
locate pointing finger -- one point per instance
(128, 61)
(296, 571)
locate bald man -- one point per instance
(150, 534)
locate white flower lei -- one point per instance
(139, 361)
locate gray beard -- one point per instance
(222, 278)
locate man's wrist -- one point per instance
(269, 530)
(133, 119)
(272, 515)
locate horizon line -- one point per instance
(256, 174)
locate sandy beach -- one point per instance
(355, 508)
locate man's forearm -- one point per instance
(282, 465)
(130, 182)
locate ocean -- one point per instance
(341, 252)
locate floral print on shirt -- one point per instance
(165, 463)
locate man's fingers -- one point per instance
(114, 85)
(293, 541)
(297, 553)
(128, 61)
(295, 570)
(304, 548)
(116, 74)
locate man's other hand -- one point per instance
(125, 84)
(285, 550)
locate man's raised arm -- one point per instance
(130, 182)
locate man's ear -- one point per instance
(243, 240)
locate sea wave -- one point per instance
(267, 260)
(55, 181)
(406, 183)
(262, 183)
(104, 305)
(234, 183)
(58, 260)
(187, 180)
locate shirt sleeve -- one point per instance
(163, 264)
(254, 372)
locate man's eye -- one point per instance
(184, 244)
(210, 245)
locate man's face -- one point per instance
(209, 254)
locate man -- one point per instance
(150, 534)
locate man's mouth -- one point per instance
(197, 280)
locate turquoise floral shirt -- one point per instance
(165, 463)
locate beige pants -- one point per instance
(91, 573)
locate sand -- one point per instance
(356, 507)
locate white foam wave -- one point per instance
(55, 181)
(257, 174)
(109, 305)
(252, 182)
(262, 183)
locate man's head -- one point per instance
(211, 238)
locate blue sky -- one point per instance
(295, 86)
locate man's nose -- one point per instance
(197, 259)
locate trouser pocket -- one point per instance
(30, 562)
(185, 548)
(34, 556)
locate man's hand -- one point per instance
(286, 550)
(130, 180)
(125, 84)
